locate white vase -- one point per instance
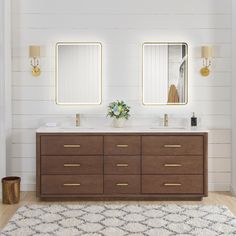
(119, 123)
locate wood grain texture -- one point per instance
(122, 145)
(122, 165)
(172, 164)
(67, 145)
(122, 184)
(77, 165)
(71, 184)
(172, 145)
(172, 184)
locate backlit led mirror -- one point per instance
(165, 73)
(78, 73)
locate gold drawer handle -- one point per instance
(72, 184)
(121, 165)
(122, 184)
(172, 146)
(71, 165)
(172, 184)
(122, 145)
(72, 146)
(172, 165)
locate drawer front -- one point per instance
(172, 165)
(172, 145)
(122, 145)
(121, 165)
(72, 165)
(121, 184)
(172, 184)
(71, 145)
(71, 184)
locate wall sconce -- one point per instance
(206, 55)
(34, 54)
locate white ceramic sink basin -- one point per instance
(76, 128)
(167, 128)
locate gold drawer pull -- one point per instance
(121, 165)
(172, 165)
(71, 165)
(172, 184)
(72, 184)
(122, 184)
(122, 145)
(72, 146)
(172, 146)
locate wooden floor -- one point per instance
(215, 198)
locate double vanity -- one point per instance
(126, 163)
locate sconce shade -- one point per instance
(34, 51)
(206, 52)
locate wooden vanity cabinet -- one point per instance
(130, 166)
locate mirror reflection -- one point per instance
(165, 73)
(78, 73)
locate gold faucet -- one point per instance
(165, 120)
(77, 120)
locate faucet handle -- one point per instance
(77, 119)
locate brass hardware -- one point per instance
(77, 120)
(122, 145)
(72, 184)
(172, 165)
(165, 120)
(172, 184)
(205, 71)
(172, 146)
(122, 184)
(34, 54)
(206, 56)
(71, 145)
(72, 165)
(122, 165)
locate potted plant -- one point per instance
(119, 111)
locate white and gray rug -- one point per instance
(121, 219)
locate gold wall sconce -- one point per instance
(206, 55)
(34, 54)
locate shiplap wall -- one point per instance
(121, 26)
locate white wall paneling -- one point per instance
(233, 186)
(5, 85)
(121, 26)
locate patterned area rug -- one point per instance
(121, 219)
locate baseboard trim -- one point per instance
(233, 191)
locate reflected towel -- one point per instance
(173, 96)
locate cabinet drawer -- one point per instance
(172, 184)
(122, 165)
(71, 145)
(172, 165)
(172, 145)
(71, 184)
(122, 145)
(72, 165)
(121, 184)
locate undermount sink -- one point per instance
(76, 127)
(167, 127)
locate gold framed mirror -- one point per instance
(165, 73)
(78, 73)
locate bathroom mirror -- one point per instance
(165, 73)
(78, 73)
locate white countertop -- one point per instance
(131, 129)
